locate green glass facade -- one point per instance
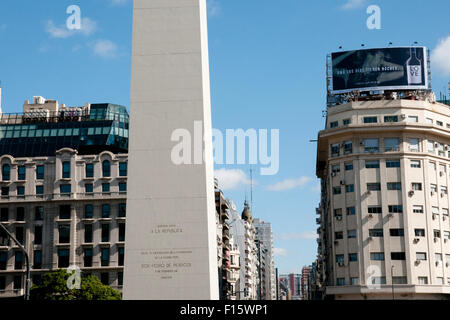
(105, 127)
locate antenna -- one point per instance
(251, 187)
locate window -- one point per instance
(429, 120)
(371, 145)
(122, 186)
(89, 170)
(444, 211)
(447, 235)
(438, 257)
(88, 188)
(390, 118)
(351, 211)
(64, 233)
(338, 212)
(105, 257)
(423, 280)
(415, 163)
(17, 282)
(391, 144)
(377, 256)
(354, 281)
(104, 278)
(434, 211)
(441, 150)
(87, 257)
(437, 233)
(348, 147)
(419, 232)
(349, 188)
(37, 234)
(65, 188)
(333, 124)
(336, 190)
(121, 256)
(399, 280)
(374, 209)
(20, 235)
(378, 280)
(18, 260)
(351, 234)
(63, 258)
(439, 123)
(122, 210)
(443, 190)
(2, 283)
(123, 169)
(88, 233)
(348, 166)
(433, 188)
(413, 119)
(66, 169)
(339, 258)
(392, 163)
(396, 232)
(64, 212)
(3, 259)
(372, 164)
(376, 232)
(338, 235)
(106, 209)
(336, 168)
(121, 232)
(40, 172)
(432, 166)
(20, 214)
(5, 191)
(37, 259)
(346, 122)
(105, 232)
(106, 168)
(416, 186)
(40, 190)
(340, 281)
(394, 186)
(6, 172)
(430, 146)
(21, 173)
(20, 190)
(370, 120)
(4, 214)
(89, 211)
(421, 256)
(352, 257)
(105, 187)
(439, 280)
(395, 208)
(398, 256)
(373, 187)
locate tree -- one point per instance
(54, 287)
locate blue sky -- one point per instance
(267, 63)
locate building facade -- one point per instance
(63, 191)
(293, 284)
(384, 227)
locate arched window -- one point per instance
(106, 168)
(6, 172)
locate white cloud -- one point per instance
(104, 48)
(231, 178)
(352, 4)
(278, 252)
(440, 57)
(288, 184)
(88, 27)
(307, 235)
(213, 7)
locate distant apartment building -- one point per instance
(306, 283)
(264, 238)
(63, 191)
(384, 227)
(293, 283)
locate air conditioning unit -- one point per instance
(432, 193)
(417, 262)
(370, 215)
(411, 193)
(339, 218)
(342, 182)
(403, 116)
(441, 173)
(436, 144)
(446, 147)
(434, 216)
(416, 240)
(369, 192)
(444, 218)
(442, 194)
(445, 240)
(438, 263)
(336, 242)
(340, 264)
(370, 238)
(333, 174)
(436, 239)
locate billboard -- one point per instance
(394, 68)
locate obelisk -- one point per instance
(170, 247)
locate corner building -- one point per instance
(384, 224)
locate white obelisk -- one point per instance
(170, 247)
